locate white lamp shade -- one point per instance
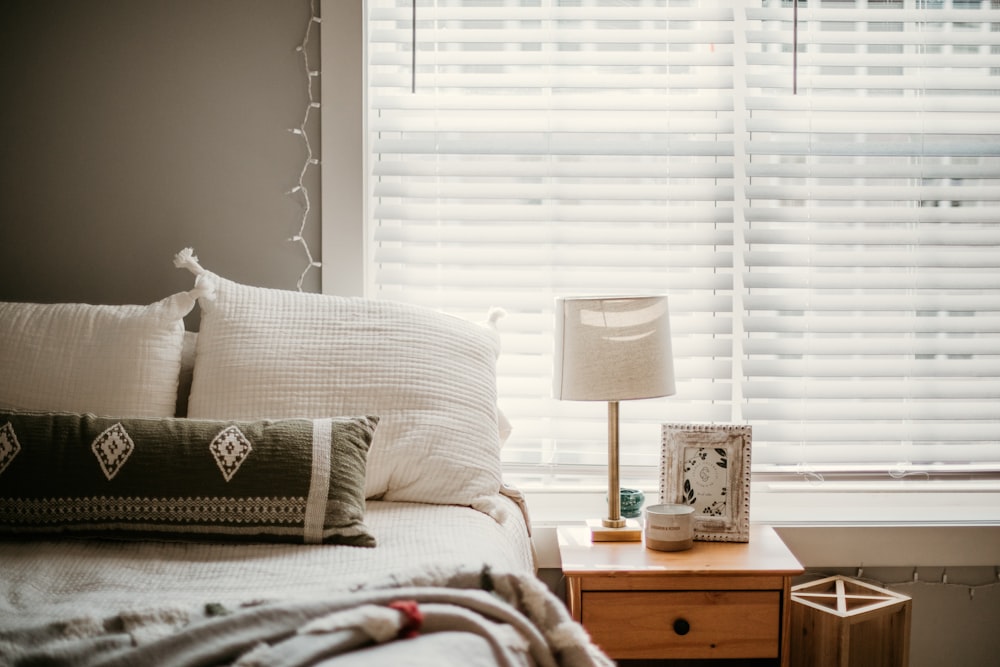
(612, 348)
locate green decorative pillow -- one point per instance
(289, 480)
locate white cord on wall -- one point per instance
(302, 131)
(926, 581)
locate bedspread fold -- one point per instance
(467, 617)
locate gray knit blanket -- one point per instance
(465, 618)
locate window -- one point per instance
(827, 227)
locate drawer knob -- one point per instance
(681, 626)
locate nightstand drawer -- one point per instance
(684, 624)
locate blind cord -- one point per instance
(795, 47)
(413, 47)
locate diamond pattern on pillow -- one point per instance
(112, 449)
(229, 449)
(158, 478)
(9, 446)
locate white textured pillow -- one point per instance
(430, 377)
(108, 360)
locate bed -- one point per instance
(308, 480)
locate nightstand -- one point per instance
(717, 600)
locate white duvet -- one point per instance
(61, 579)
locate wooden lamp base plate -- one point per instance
(631, 532)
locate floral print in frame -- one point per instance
(707, 466)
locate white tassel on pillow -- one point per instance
(492, 317)
(204, 286)
(185, 259)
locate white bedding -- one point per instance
(44, 580)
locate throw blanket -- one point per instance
(467, 618)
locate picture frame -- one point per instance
(708, 466)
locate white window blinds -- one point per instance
(830, 257)
(872, 236)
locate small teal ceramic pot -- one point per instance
(631, 503)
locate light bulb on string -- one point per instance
(302, 131)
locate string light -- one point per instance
(916, 580)
(302, 131)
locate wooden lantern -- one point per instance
(842, 622)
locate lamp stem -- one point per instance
(614, 519)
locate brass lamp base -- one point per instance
(630, 532)
(617, 529)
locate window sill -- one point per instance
(832, 530)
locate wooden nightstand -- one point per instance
(717, 600)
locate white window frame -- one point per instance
(345, 257)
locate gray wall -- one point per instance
(132, 129)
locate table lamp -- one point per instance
(613, 348)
